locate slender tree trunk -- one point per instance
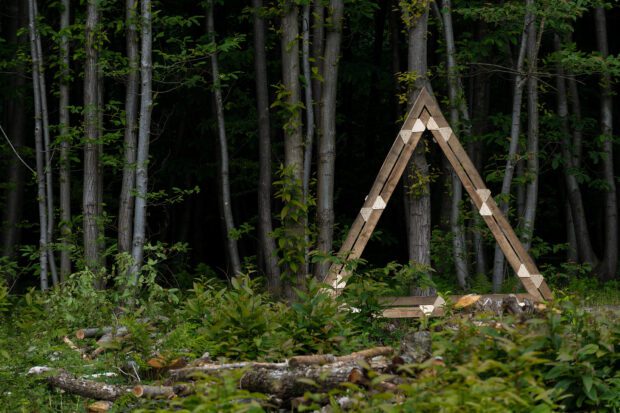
(267, 243)
(91, 161)
(305, 52)
(65, 145)
(15, 175)
(395, 29)
(418, 204)
(49, 187)
(318, 46)
(458, 109)
(480, 103)
(39, 147)
(511, 159)
(327, 141)
(293, 137)
(531, 191)
(231, 243)
(126, 204)
(100, 172)
(144, 135)
(609, 263)
(577, 211)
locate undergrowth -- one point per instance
(567, 359)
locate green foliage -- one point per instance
(292, 237)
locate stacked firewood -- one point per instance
(284, 382)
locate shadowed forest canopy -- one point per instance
(219, 137)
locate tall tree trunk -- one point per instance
(609, 263)
(293, 137)
(65, 167)
(418, 204)
(100, 173)
(231, 242)
(265, 227)
(531, 191)
(327, 141)
(15, 174)
(126, 204)
(91, 161)
(458, 109)
(577, 211)
(318, 46)
(480, 103)
(395, 29)
(39, 147)
(49, 187)
(144, 135)
(511, 159)
(308, 99)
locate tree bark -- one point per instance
(231, 243)
(39, 148)
(609, 262)
(531, 192)
(81, 387)
(418, 205)
(511, 159)
(458, 109)
(308, 99)
(265, 226)
(327, 140)
(293, 137)
(91, 161)
(65, 145)
(49, 187)
(127, 200)
(577, 210)
(144, 136)
(318, 46)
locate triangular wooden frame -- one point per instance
(426, 115)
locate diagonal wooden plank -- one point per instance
(365, 224)
(498, 224)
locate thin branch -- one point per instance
(16, 153)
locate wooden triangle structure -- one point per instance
(426, 115)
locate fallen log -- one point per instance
(287, 383)
(321, 359)
(107, 339)
(213, 368)
(95, 332)
(153, 392)
(81, 387)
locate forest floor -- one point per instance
(566, 357)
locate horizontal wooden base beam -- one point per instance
(433, 306)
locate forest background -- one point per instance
(236, 138)
(200, 163)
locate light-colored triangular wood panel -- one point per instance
(426, 115)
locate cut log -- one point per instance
(95, 332)
(72, 346)
(213, 368)
(100, 406)
(467, 301)
(81, 387)
(367, 354)
(415, 347)
(153, 392)
(107, 339)
(292, 382)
